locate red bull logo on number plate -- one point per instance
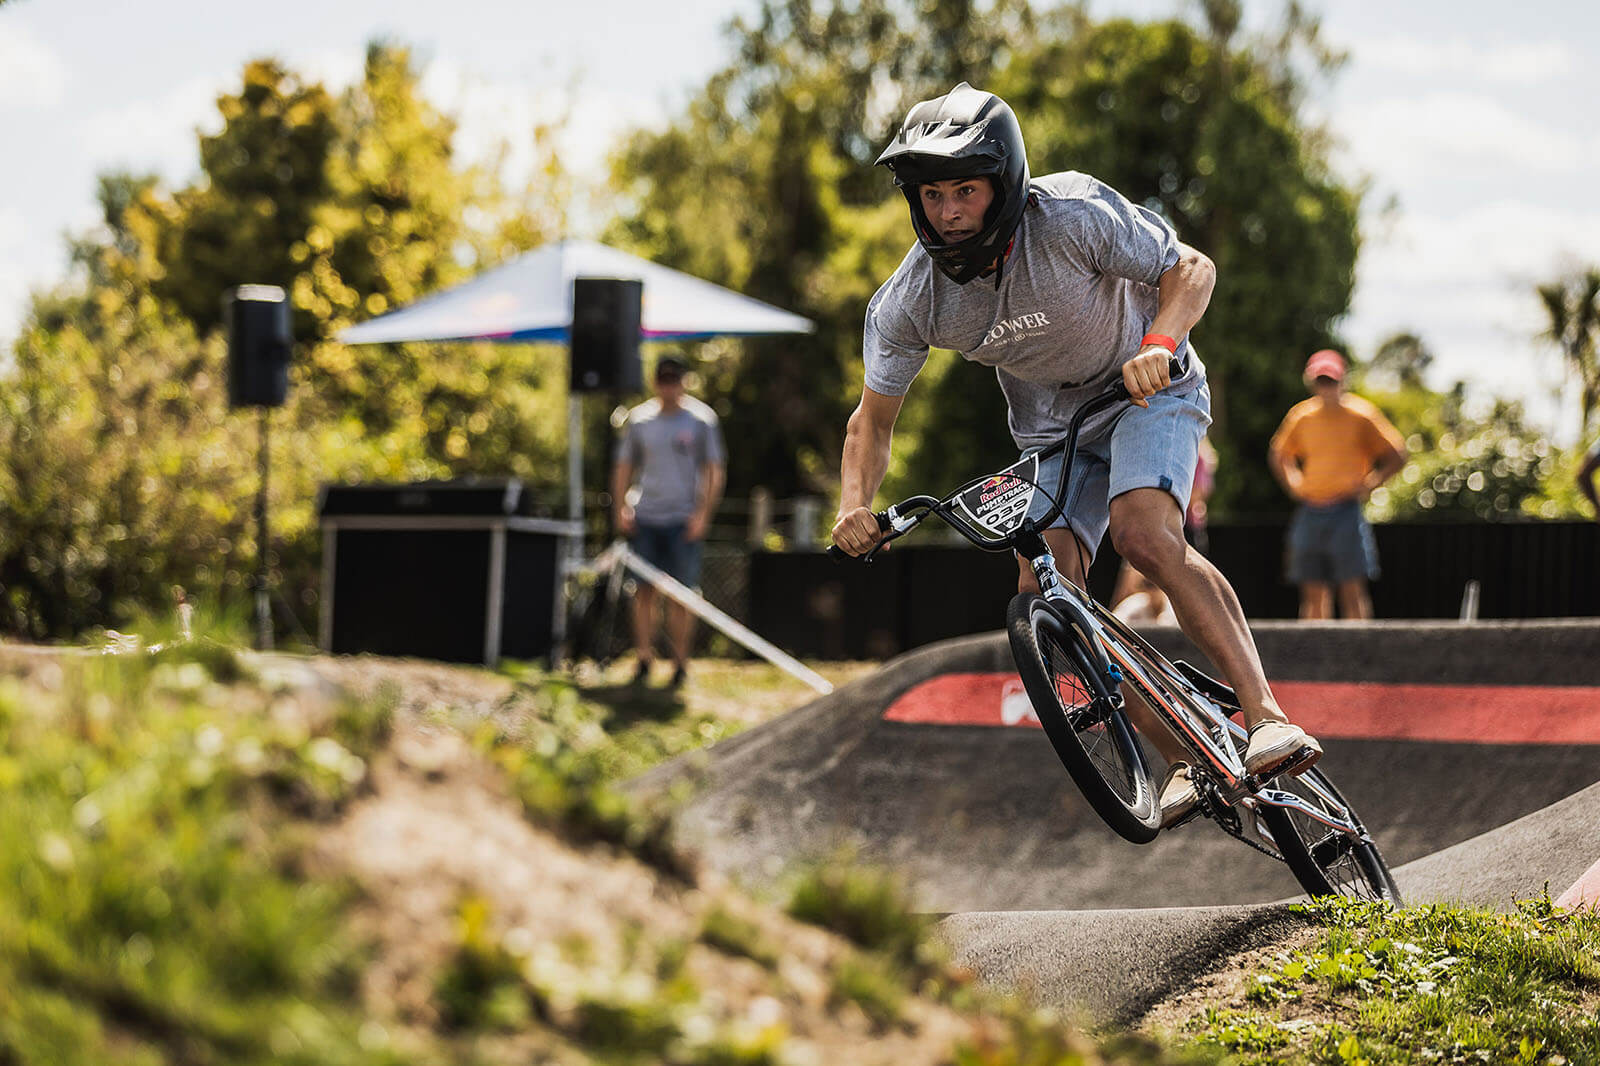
(999, 503)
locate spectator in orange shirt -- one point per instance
(1329, 453)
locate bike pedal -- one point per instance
(1300, 760)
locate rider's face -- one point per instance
(955, 209)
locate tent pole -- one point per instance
(575, 476)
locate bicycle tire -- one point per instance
(1325, 861)
(1096, 744)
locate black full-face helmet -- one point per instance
(962, 134)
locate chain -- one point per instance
(1226, 818)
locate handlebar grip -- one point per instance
(839, 555)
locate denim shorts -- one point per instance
(1155, 447)
(1329, 545)
(667, 548)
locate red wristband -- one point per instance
(1159, 338)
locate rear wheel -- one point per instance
(1326, 861)
(1075, 704)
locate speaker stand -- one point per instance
(263, 589)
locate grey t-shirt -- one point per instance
(667, 452)
(1077, 293)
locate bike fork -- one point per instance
(1032, 547)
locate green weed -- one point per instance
(727, 932)
(871, 983)
(1430, 984)
(868, 906)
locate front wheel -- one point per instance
(1326, 861)
(1076, 705)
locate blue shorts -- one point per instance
(1329, 545)
(1155, 447)
(667, 548)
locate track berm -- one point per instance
(1471, 751)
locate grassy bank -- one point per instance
(1423, 985)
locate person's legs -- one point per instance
(653, 544)
(644, 614)
(680, 627)
(683, 564)
(1354, 602)
(1352, 559)
(1316, 601)
(1147, 529)
(1152, 457)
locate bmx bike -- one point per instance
(1078, 661)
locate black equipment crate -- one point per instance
(461, 571)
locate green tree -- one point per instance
(121, 469)
(1572, 308)
(1486, 464)
(265, 175)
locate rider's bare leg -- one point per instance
(1147, 529)
(1066, 548)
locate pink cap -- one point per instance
(1325, 364)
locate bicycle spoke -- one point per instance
(1088, 721)
(1335, 853)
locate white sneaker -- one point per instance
(1273, 743)
(1178, 795)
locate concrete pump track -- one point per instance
(1471, 751)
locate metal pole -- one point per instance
(575, 476)
(263, 602)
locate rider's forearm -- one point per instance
(865, 463)
(1184, 293)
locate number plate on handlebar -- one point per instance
(997, 504)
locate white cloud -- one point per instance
(586, 122)
(1464, 282)
(158, 133)
(1411, 140)
(1521, 63)
(32, 76)
(13, 276)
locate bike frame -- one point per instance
(1201, 724)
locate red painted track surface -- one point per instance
(1480, 714)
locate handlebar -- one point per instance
(895, 522)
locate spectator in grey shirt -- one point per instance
(667, 479)
(1062, 286)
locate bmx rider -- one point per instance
(1061, 284)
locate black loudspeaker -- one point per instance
(605, 335)
(257, 317)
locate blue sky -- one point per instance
(1474, 121)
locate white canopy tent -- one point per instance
(530, 299)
